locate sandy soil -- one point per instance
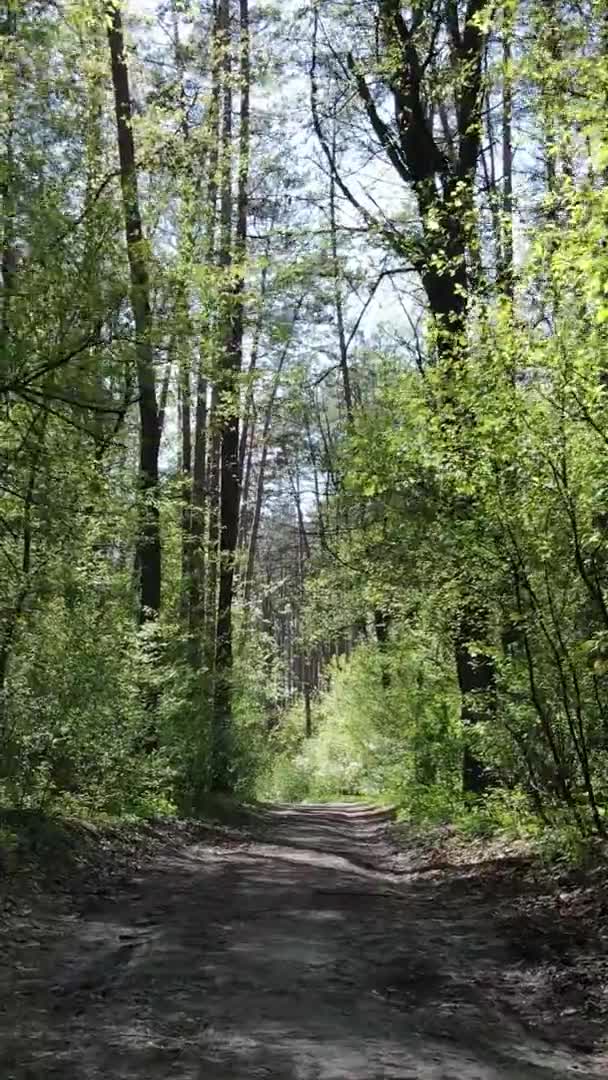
(314, 949)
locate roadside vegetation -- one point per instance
(303, 413)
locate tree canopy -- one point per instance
(304, 415)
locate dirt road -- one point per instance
(310, 952)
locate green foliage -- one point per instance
(473, 479)
(254, 685)
(78, 674)
(388, 727)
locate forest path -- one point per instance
(312, 953)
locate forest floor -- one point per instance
(312, 943)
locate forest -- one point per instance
(304, 408)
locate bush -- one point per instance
(75, 722)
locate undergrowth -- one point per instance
(388, 731)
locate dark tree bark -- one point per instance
(12, 616)
(204, 464)
(506, 269)
(213, 525)
(228, 413)
(196, 539)
(382, 624)
(185, 423)
(307, 701)
(148, 554)
(8, 30)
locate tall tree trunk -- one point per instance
(11, 617)
(164, 387)
(227, 421)
(246, 475)
(259, 496)
(507, 159)
(232, 449)
(7, 194)
(303, 544)
(248, 422)
(203, 473)
(314, 460)
(185, 423)
(148, 553)
(253, 363)
(182, 327)
(307, 702)
(196, 559)
(242, 199)
(338, 298)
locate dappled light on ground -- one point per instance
(308, 952)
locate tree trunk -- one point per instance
(185, 423)
(247, 439)
(196, 559)
(213, 524)
(7, 248)
(259, 496)
(148, 553)
(234, 260)
(204, 474)
(11, 618)
(227, 420)
(477, 682)
(338, 299)
(506, 276)
(245, 515)
(307, 704)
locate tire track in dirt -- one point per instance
(304, 953)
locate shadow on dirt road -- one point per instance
(306, 954)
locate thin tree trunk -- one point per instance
(244, 510)
(164, 389)
(488, 154)
(182, 335)
(242, 199)
(257, 513)
(213, 497)
(227, 421)
(315, 474)
(196, 559)
(338, 299)
(507, 161)
(247, 437)
(294, 476)
(253, 363)
(307, 704)
(185, 421)
(7, 250)
(12, 618)
(203, 474)
(148, 554)
(259, 498)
